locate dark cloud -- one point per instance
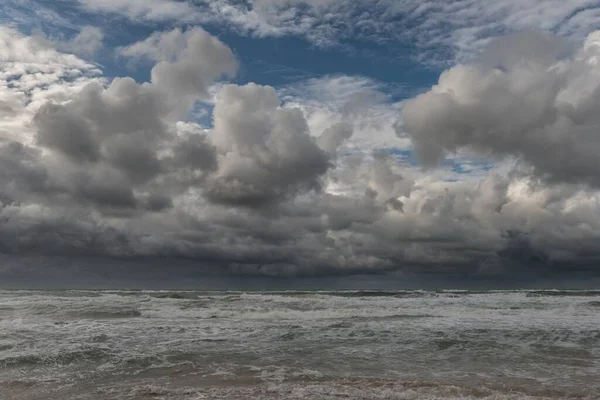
(265, 153)
(117, 138)
(111, 171)
(157, 202)
(195, 152)
(67, 132)
(110, 138)
(132, 155)
(104, 187)
(21, 173)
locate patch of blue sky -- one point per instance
(201, 114)
(461, 169)
(29, 16)
(456, 167)
(283, 60)
(348, 151)
(468, 167)
(404, 156)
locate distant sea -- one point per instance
(119, 344)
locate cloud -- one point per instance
(265, 152)
(102, 145)
(122, 132)
(333, 137)
(300, 180)
(23, 176)
(67, 133)
(187, 62)
(121, 126)
(86, 43)
(361, 102)
(432, 32)
(440, 32)
(150, 10)
(524, 99)
(33, 72)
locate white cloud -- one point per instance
(32, 72)
(441, 31)
(86, 43)
(522, 99)
(150, 10)
(187, 63)
(359, 101)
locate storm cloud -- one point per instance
(265, 152)
(115, 168)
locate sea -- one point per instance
(150, 344)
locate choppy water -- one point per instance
(299, 345)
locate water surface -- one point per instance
(94, 344)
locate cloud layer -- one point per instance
(281, 185)
(440, 31)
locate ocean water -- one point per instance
(299, 345)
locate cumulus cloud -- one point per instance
(110, 138)
(96, 168)
(187, 63)
(265, 152)
(526, 98)
(105, 145)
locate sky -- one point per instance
(343, 143)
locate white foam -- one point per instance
(549, 340)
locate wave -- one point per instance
(438, 293)
(321, 387)
(157, 294)
(417, 293)
(106, 314)
(562, 293)
(62, 358)
(176, 295)
(342, 293)
(399, 293)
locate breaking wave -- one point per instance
(62, 358)
(555, 292)
(541, 344)
(106, 314)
